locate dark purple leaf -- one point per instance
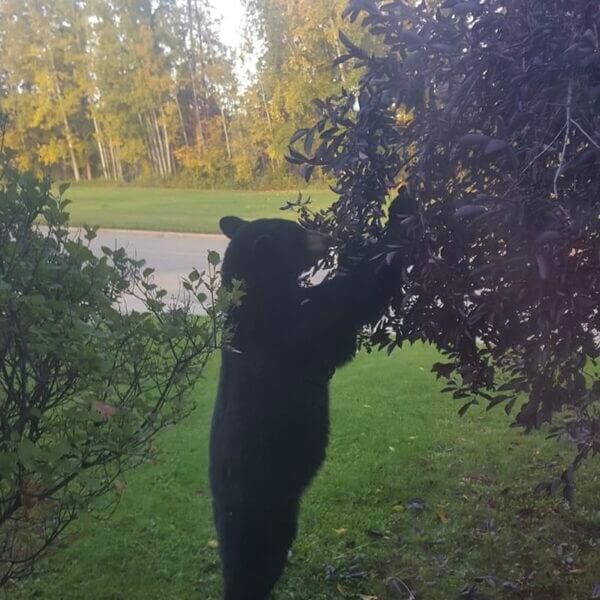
(495, 146)
(467, 212)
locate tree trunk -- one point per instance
(193, 76)
(112, 175)
(116, 163)
(152, 146)
(338, 50)
(156, 146)
(119, 165)
(167, 145)
(159, 145)
(147, 143)
(224, 121)
(101, 150)
(267, 112)
(68, 133)
(181, 121)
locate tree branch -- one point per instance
(587, 135)
(561, 158)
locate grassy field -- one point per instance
(165, 209)
(410, 495)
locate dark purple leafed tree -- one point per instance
(478, 124)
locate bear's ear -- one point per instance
(229, 225)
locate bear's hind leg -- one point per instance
(252, 567)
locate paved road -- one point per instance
(173, 255)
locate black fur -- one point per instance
(271, 420)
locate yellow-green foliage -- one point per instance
(123, 90)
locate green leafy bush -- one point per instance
(84, 386)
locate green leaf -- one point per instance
(213, 258)
(63, 187)
(28, 453)
(8, 462)
(90, 232)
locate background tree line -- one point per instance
(144, 90)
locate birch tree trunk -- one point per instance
(267, 113)
(338, 50)
(159, 145)
(119, 165)
(181, 121)
(147, 143)
(193, 76)
(167, 145)
(101, 150)
(224, 121)
(68, 133)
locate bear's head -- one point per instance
(270, 252)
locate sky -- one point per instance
(231, 13)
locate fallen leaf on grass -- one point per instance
(416, 504)
(489, 579)
(511, 586)
(375, 534)
(120, 485)
(400, 588)
(330, 573)
(213, 544)
(341, 531)
(488, 526)
(398, 508)
(442, 516)
(470, 592)
(363, 597)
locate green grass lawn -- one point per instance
(166, 209)
(410, 494)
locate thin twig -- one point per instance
(3, 127)
(543, 151)
(561, 159)
(411, 595)
(587, 135)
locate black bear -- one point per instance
(271, 419)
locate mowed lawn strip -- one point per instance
(410, 495)
(183, 210)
